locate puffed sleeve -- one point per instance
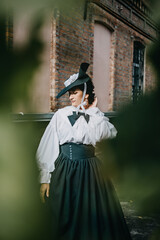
(48, 151)
(106, 129)
(100, 128)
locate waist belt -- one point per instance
(77, 151)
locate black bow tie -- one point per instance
(73, 118)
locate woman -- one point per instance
(83, 204)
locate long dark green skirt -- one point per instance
(83, 204)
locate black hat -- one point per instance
(76, 79)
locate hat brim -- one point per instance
(74, 84)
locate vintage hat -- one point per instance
(76, 79)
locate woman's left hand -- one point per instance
(94, 104)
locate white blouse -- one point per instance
(60, 131)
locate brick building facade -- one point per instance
(120, 70)
(128, 22)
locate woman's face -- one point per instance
(75, 96)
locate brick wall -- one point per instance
(74, 44)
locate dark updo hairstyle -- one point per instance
(90, 90)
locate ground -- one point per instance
(141, 227)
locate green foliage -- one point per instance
(132, 158)
(22, 214)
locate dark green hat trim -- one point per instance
(82, 78)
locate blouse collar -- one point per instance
(90, 111)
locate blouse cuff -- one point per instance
(45, 176)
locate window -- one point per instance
(138, 71)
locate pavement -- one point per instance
(141, 227)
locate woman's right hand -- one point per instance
(44, 191)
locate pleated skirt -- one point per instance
(83, 203)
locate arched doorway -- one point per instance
(101, 64)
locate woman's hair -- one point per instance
(90, 90)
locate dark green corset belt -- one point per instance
(77, 151)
